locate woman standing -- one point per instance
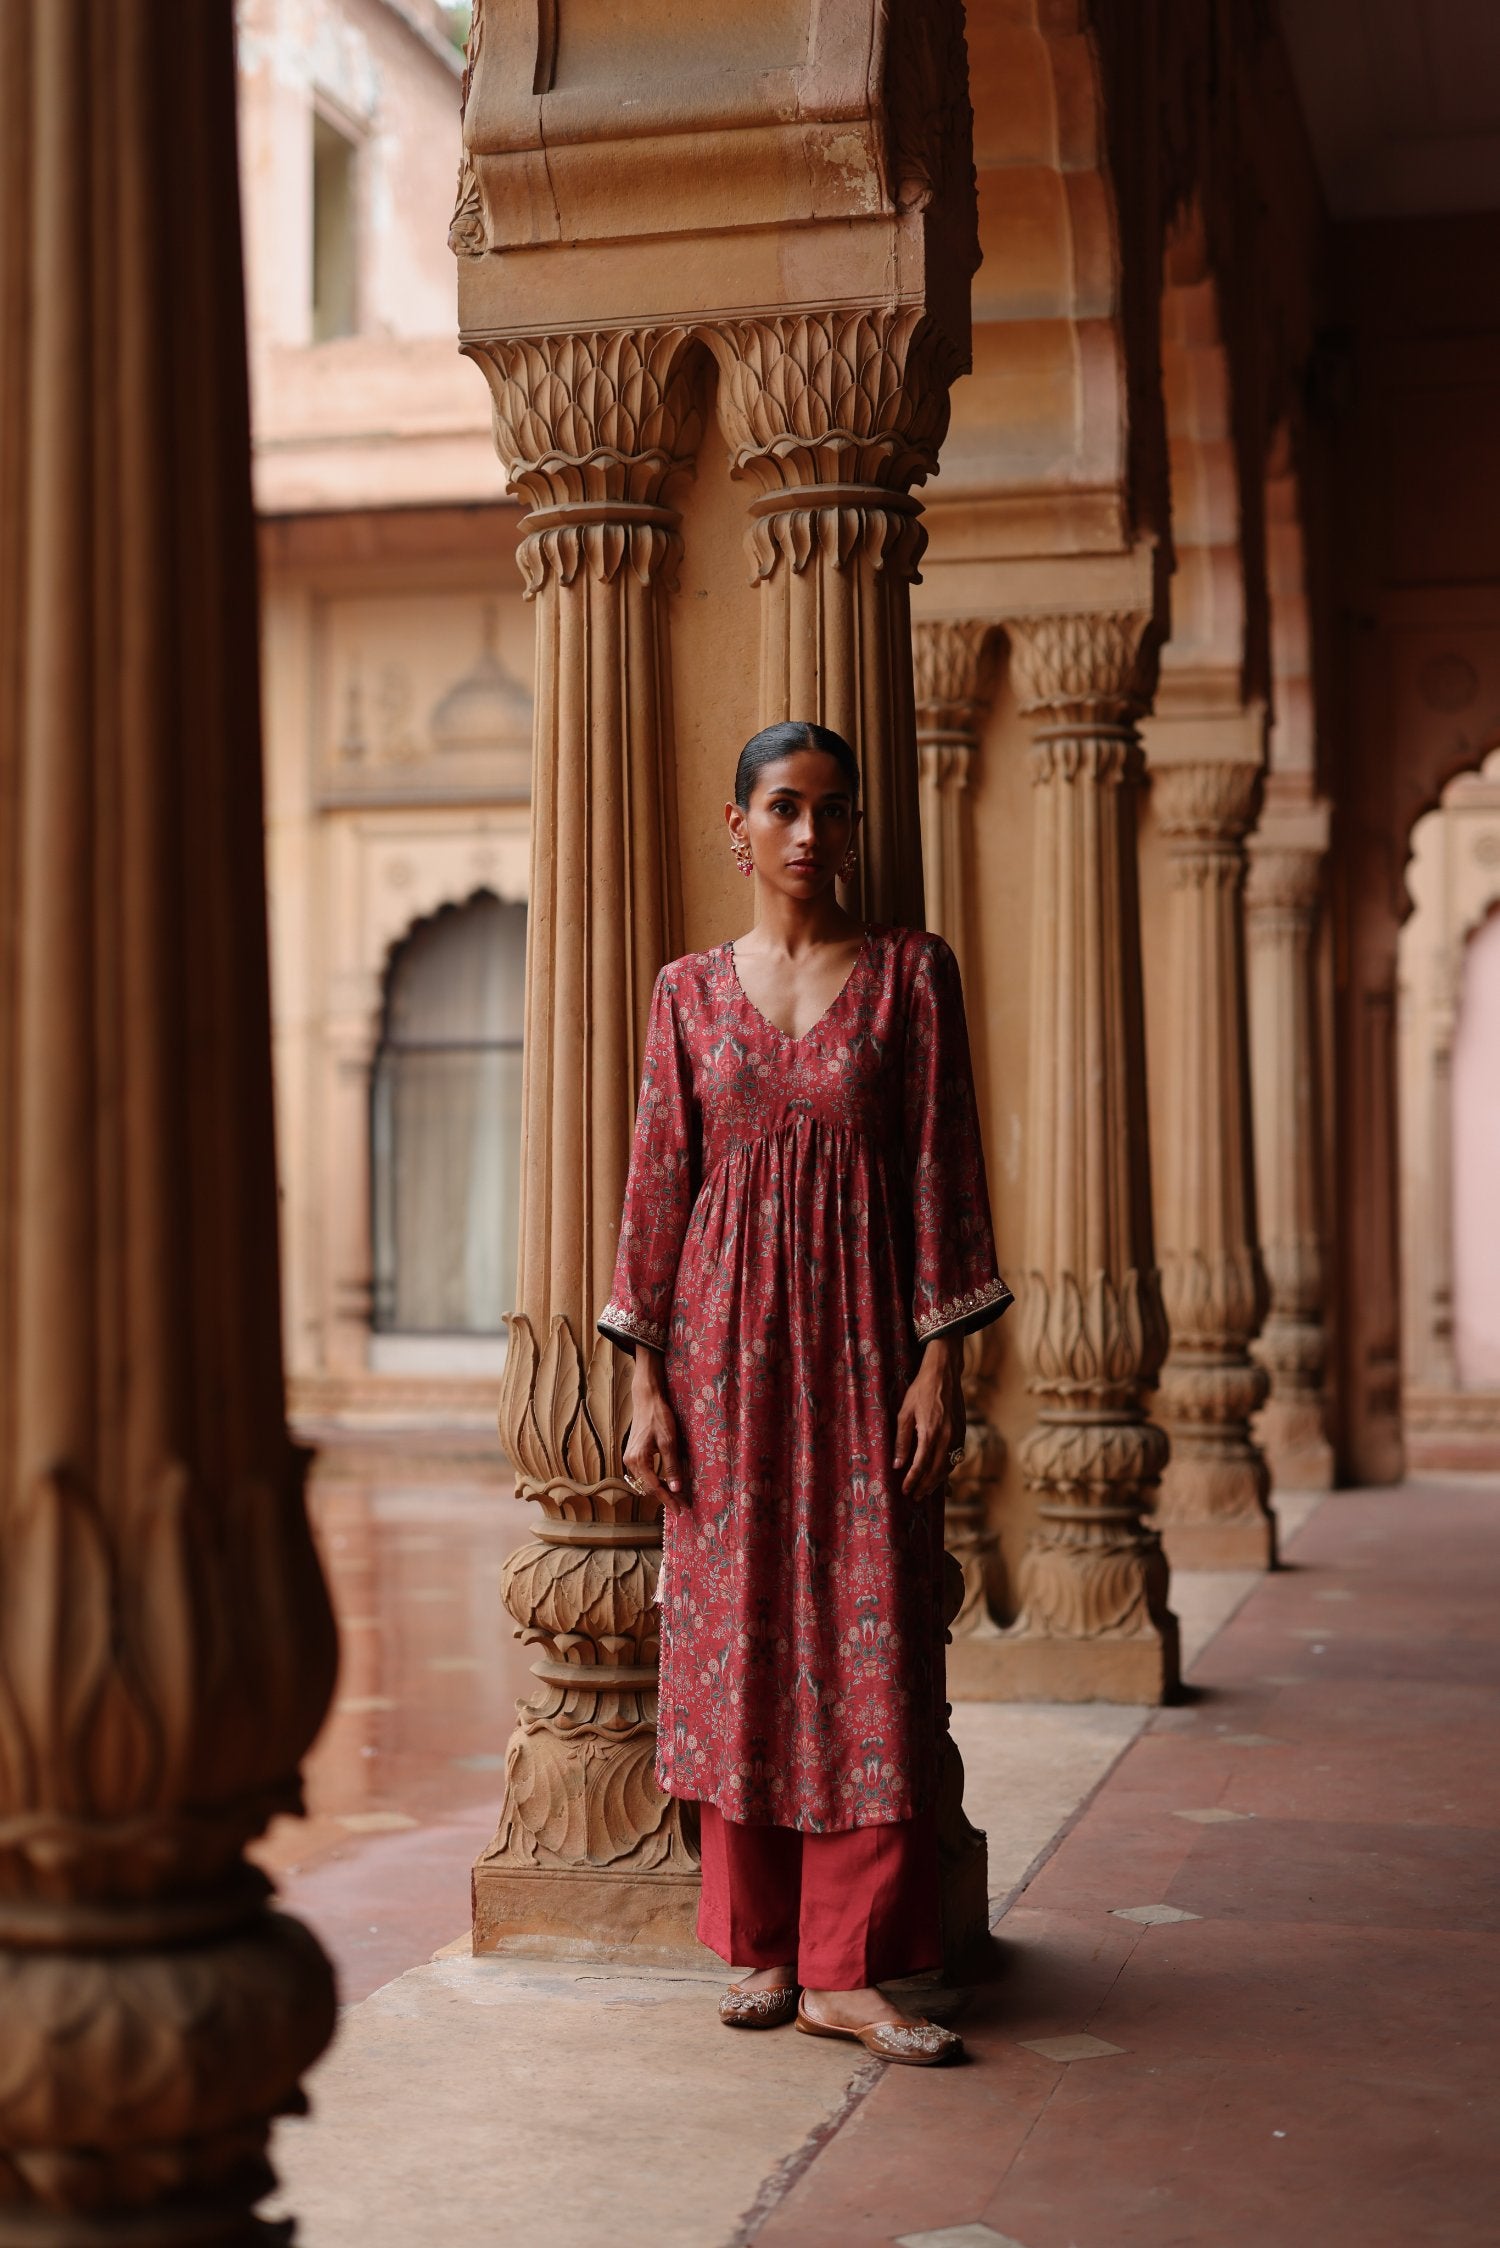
(805, 1241)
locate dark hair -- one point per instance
(783, 740)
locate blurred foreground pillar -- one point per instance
(166, 1647)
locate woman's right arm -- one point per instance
(652, 1453)
(658, 1203)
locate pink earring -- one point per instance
(850, 866)
(742, 858)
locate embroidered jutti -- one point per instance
(802, 1214)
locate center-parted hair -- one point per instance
(783, 740)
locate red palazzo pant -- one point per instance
(848, 1909)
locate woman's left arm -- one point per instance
(956, 1281)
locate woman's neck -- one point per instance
(797, 925)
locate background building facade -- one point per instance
(398, 659)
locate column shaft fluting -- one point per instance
(591, 428)
(1282, 900)
(952, 667)
(831, 417)
(166, 1645)
(1094, 1620)
(1212, 1509)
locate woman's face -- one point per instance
(801, 821)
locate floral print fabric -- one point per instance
(801, 1214)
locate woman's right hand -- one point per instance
(651, 1449)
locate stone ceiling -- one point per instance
(1402, 99)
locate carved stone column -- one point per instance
(589, 1853)
(951, 660)
(1212, 1510)
(832, 417)
(166, 1646)
(1282, 903)
(1094, 1622)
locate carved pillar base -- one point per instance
(561, 1912)
(590, 1859)
(963, 1850)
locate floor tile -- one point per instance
(958, 2236)
(1078, 2048)
(1152, 1916)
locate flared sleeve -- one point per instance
(659, 1189)
(956, 1284)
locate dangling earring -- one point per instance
(742, 856)
(850, 866)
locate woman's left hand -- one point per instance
(930, 1423)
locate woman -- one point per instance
(805, 1241)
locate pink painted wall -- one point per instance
(1476, 1163)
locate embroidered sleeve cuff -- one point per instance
(622, 1325)
(976, 1309)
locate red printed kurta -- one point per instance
(801, 1214)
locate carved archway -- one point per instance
(1453, 882)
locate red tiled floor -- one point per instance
(1311, 2062)
(404, 1781)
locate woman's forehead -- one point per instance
(804, 772)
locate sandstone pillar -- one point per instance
(166, 1647)
(951, 658)
(1282, 903)
(1212, 1510)
(952, 663)
(1094, 1622)
(591, 427)
(831, 417)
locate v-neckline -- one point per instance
(802, 1036)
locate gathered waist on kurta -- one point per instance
(847, 1142)
(800, 1218)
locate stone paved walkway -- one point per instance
(1253, 1998)
(1249, 1999)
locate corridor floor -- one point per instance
(1249, 1999)
(1253, 1999)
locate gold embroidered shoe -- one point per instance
(913, 2044)
(757, 2009)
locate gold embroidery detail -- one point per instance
(978, 1299)
(617, 1318)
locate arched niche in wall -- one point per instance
(445, 1120)
(1476, 1136)
(1449, 1090)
